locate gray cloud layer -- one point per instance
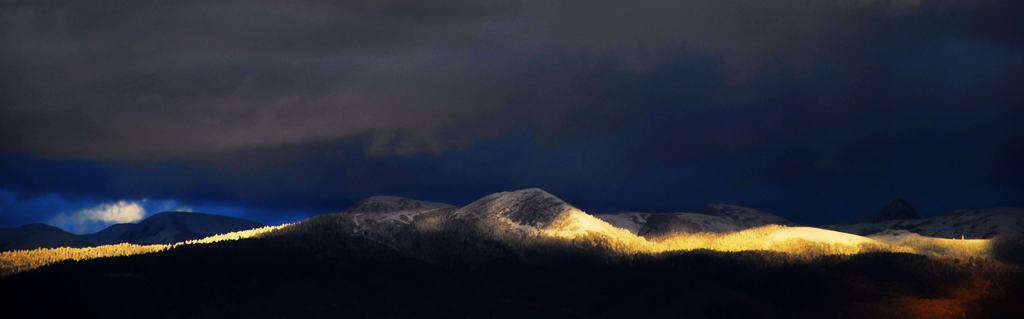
(171, 79)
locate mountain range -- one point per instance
(504, 256)
(524, 217)
(522, 212)
(535, 210)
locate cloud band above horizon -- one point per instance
(820, 110)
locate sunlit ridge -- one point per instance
(575, 224)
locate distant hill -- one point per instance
(161, 228)
(898, 209)
(170, 227)
(38, 235)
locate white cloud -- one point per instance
(104, 214)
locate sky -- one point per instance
(817, 111)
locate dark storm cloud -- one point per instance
(152, 79)
(159, 79)
(817, 110)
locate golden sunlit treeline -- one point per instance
(242, 234)
(799, 241)
(22, 260)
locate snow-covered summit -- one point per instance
(529, 207)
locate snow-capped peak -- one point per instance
(531, 207)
